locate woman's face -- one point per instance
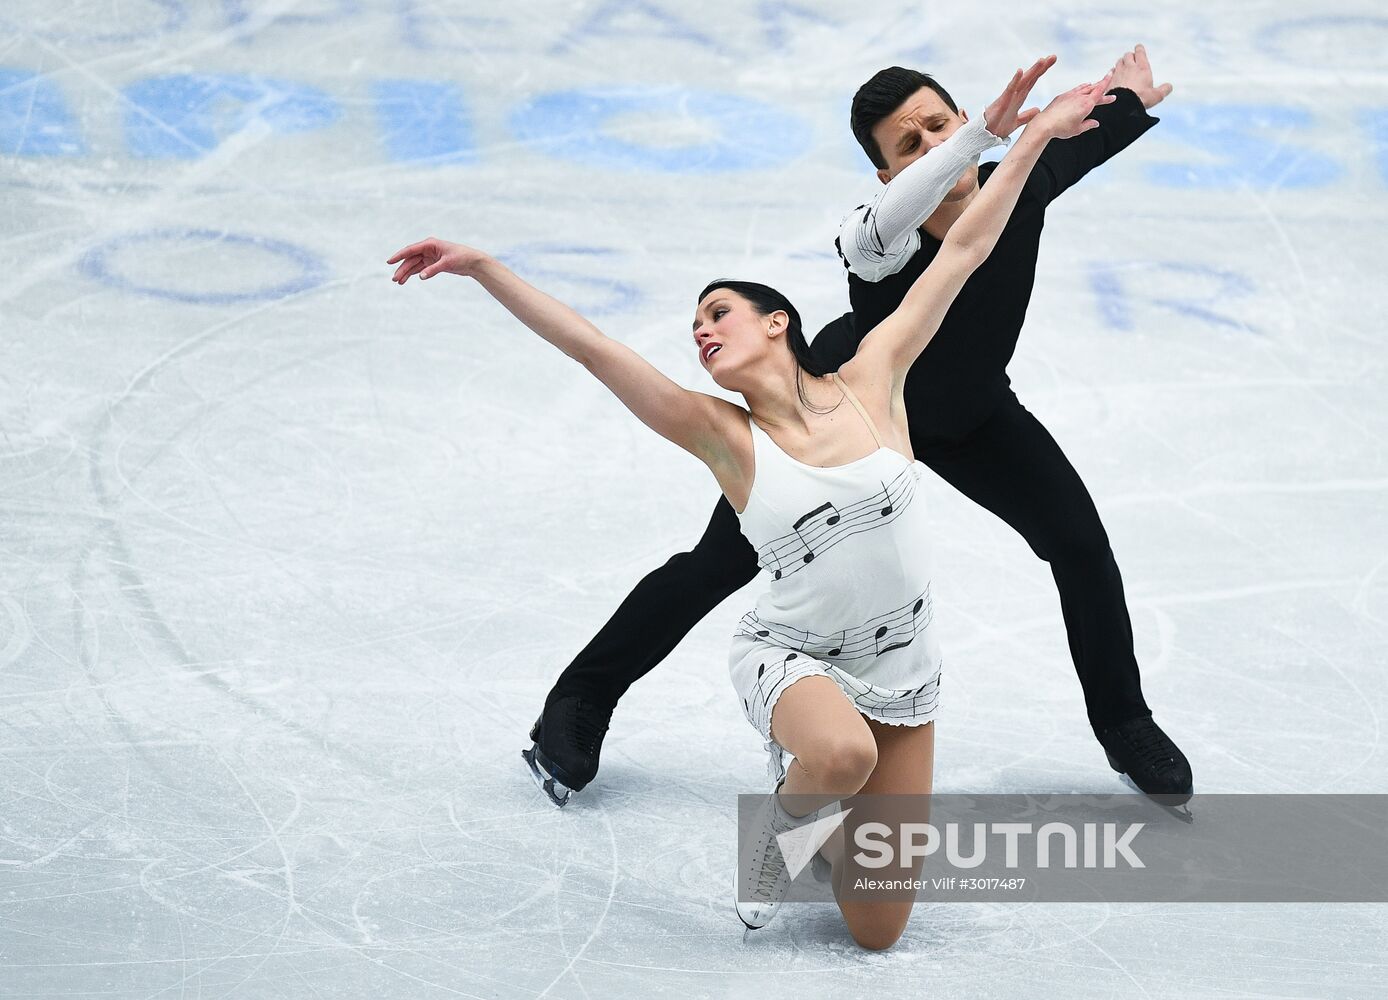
(730, 334)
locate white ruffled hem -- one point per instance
(910, 723)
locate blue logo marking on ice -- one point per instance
(800, 845)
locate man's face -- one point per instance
(921, 123)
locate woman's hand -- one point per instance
(1068, 115)
(1002, 117)
(428, 257)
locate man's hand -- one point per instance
(1068, 115)
(1135, 72)
(1001, 117)
(428, 257)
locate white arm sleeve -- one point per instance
(877, 239)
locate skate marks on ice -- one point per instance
(15, 633)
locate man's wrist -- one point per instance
(987, 129)
(1123, 92)
(982, 137)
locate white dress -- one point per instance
(848, 551)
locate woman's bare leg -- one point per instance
(835, 751)
(905, 766)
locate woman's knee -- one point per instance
(878, 926)
(841, 759)
(831, 741)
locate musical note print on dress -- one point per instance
(896, 629)
(825, 526)
(862, 615)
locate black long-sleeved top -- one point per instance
(961, 374)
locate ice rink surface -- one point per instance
(291, 555)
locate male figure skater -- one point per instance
(966, 423)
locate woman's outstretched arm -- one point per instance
(895, 343)
(687, 418)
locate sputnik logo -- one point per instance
(798, 846)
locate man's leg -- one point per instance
(660, 611)
(652, 620)
(1013, 467)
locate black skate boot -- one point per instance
(567, 742)
(1139, 749)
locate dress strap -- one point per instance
(858, 406)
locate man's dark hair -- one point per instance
(882, 95)
(766, 300)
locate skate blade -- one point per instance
(747, 926)
(1177, 803)
(557, 792)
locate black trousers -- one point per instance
(1008, 464)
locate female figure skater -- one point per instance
(838, 663)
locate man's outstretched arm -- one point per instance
(877, 239)
(1065, 161)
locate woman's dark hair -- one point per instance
(879, 97)
(766, 300)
